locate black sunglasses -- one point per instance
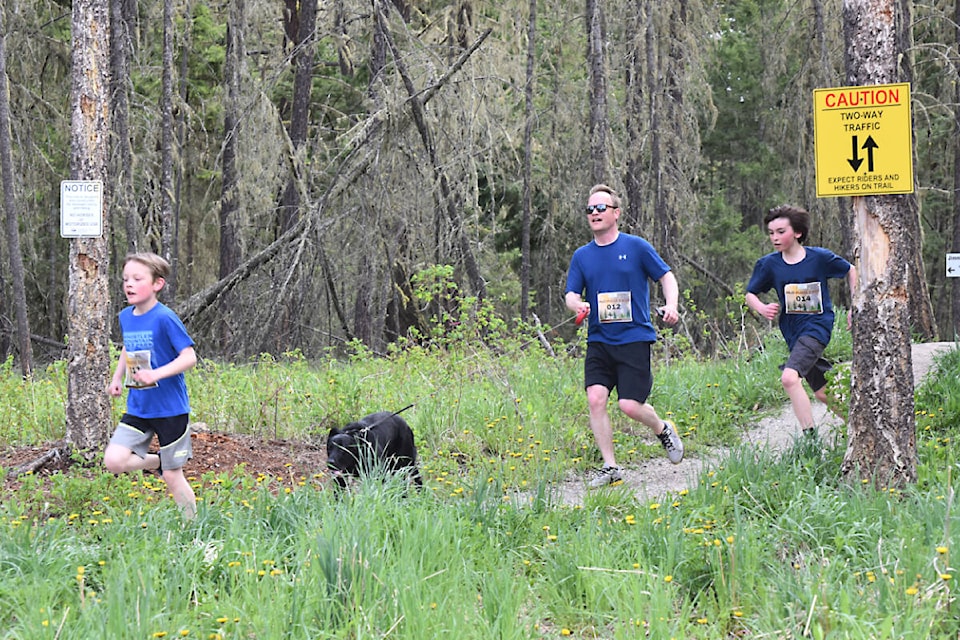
(599, 208)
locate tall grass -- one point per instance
(762, 546)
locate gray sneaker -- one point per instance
(671, 442)
(606, 475)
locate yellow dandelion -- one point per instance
(942, 550)
(668, 578)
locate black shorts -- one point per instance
(805, 358)
(624, 366)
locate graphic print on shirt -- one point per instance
(803, 298)
(615, 306)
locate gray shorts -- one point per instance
(805, 359)
(172, 433)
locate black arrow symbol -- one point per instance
(856, 160)
(870, 145)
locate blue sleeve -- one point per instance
(760, 280)
(177, 333)
(653, 264)
(575, 281)
(836, 266)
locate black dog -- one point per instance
(378, 441)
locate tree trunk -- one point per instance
(596, 68)
(529, 115)
(10, 213)
(88, 359)
(229, 199)
(167, 151)
(922, 321)
(181, 126)
(120, 192)
(306, 20)
(955, 282)
(655, 104)
(229, 196)
(882, 430)
(635, 116)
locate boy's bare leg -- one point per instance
(182, 492)
(793, 385)
(119, 459)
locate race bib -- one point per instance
(803, 298)
(137, 360)
(614, 306)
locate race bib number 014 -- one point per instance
(803, 298)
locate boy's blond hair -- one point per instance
(158, 266)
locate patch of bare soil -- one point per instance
(286, 462)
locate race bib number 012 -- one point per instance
(615, 306)
(803, 298)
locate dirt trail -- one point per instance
(656, 477)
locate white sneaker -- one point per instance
(606, 475)
(671, 442)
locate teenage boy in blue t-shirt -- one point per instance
(608, 277)
(799, 276)
(156, 351)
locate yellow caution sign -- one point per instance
(863, 138)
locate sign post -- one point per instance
(864, 140)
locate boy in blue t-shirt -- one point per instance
(799, 275)
(156, 351)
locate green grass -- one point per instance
(762, 547)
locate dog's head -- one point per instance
(343, 452)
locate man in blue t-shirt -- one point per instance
(799, 276)
(609, 279)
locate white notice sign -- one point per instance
(953, 265)
(81, 208)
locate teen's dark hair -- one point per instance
(799, 218)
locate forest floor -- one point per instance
(289, 463)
